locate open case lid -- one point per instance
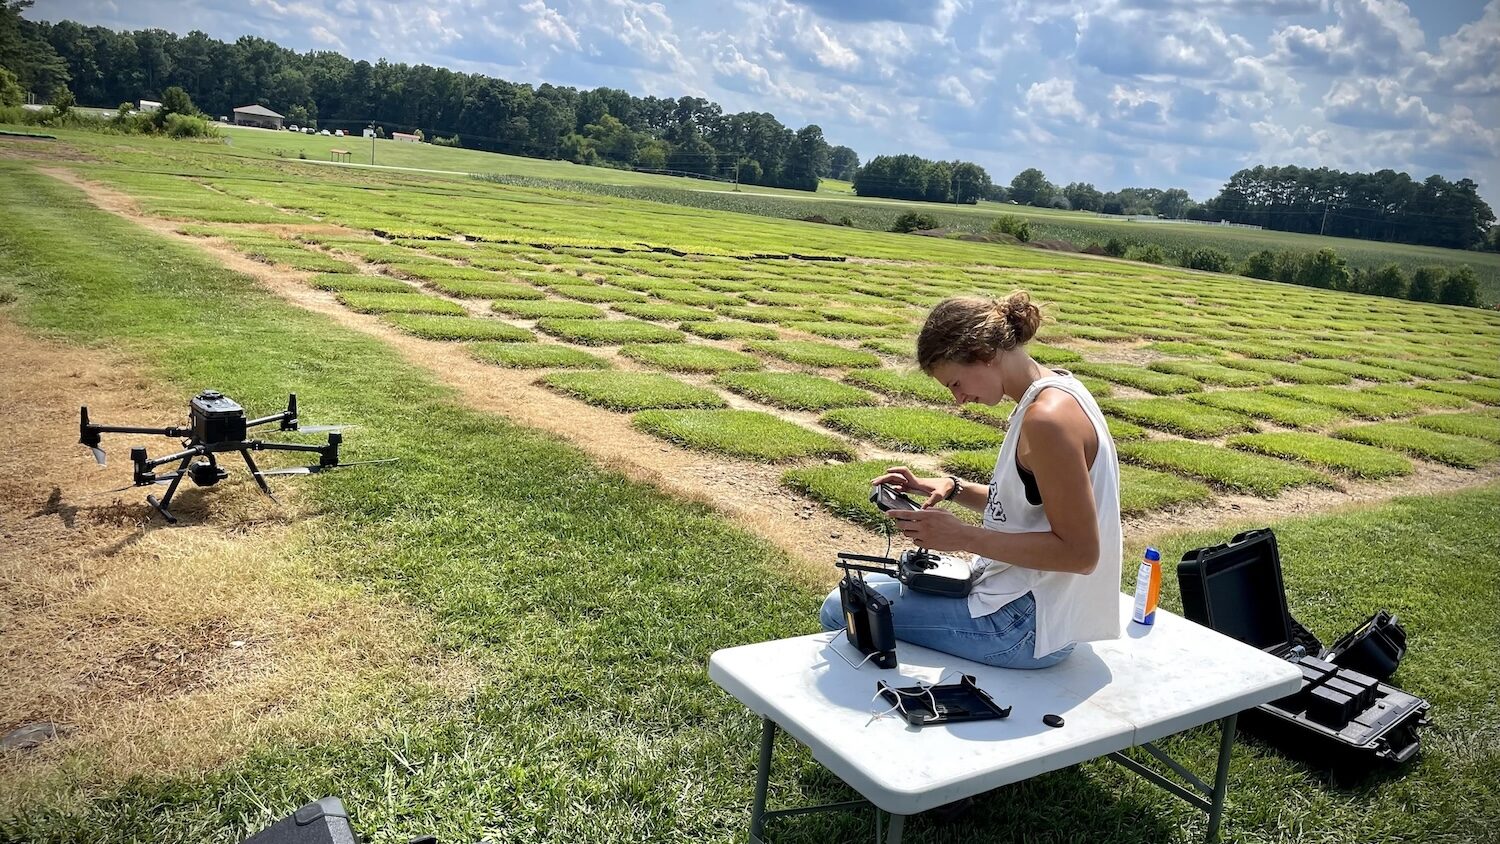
(1242, 592)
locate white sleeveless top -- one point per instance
(1069, 607)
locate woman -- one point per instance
(1049, 551)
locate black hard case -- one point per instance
(1340, 719)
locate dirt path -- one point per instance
(749, 493)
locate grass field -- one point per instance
(577, 602)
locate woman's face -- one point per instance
(979, 381)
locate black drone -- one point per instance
(216, 424)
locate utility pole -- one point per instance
(372, 144)
(1324, 224)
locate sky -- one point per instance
(1119, 93)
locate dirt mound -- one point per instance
(1094, 249)
(970, 237)
(817, 218)
(1055, 245)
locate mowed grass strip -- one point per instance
(397, 303)
(811, 353)
(609, 332)
(535, 356)
(1144, 490)
(1420, 396)
(1362, 371)
(1232, 470)
(1483, 426)
(795, 390)
(1212, 373)
(690, 357)
(341, 282)
(630, 391)
(912, 428)
(1348, 458)
(840, 330)
(1452, 449)
(904, 349)
(1177, 416)
(663, 312)
(1291, 373)
(436, 327)
(595, 293)
(546, 309)
(844, 489)
(1362, 404)
(728, 329)
(741, 433)
(474, 289)
(1047, 355)
(1477, 391)
(1293, 413)
(976, 465)
(912, 385)
(1158, 383)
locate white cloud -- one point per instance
(549, 23)
(1372, 35)
(1468, 61)
(1374, 104)
(1055, 99)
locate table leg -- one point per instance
(1221, 778)
(893, 832)
(762, 777)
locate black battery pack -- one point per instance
(1342, 719)
(867, 620)
(216, 418)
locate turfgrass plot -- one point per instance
(340, 282)
(1348, 458)
(1177, 416)
(1233, 470)
(434, 327)
(912, 428)
(1292, 373)
(1476, 391)
(659, 312)
(691, 357)
(748, 434)
(1158, 383)
(726, 329)
(1453, 449)
(809, 353)
(910, 385)
(535, 356)
(473, 289)
(595, 293)
(548, 309)
(397, 303)
(1213, 373)
(1483, 426)
(844, 489)
(1279, 409)
(630, 391)
(1364, 405)
(795, 390)
(601, 332)
(1144, 490)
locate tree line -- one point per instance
(1385, 205)
(688, 135)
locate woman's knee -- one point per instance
(832, 614)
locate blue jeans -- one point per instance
(1004, 638)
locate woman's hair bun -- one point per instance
(1022, 314)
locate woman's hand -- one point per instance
(935, 530)
(902, 480)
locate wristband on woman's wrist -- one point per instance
(957, 488)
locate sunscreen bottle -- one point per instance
(1147, 588)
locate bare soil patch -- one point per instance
(161, 649)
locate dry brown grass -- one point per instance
(167, 649)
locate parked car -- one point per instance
(324, 132)
(307, 130)
(293, 128)
(338, 133)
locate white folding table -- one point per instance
(1150, 683)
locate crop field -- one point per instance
(613, 412)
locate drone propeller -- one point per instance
(321, 429)
(98, 454)
(160, 481)
(313, 470)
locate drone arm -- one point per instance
(287, 419)
(148, 464)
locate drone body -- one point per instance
(216, 424)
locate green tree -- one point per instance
(11, 94)
(842, 163)
(1325, 269)
(1386, 281)
(1460, 288)
(653, 155)
(1172, 204)
(1425, 282)
(912, 221)
(1030, 187)
(1083, 196)
(1260, 264)
(174, 100)
(63, 102)
(23, 51)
